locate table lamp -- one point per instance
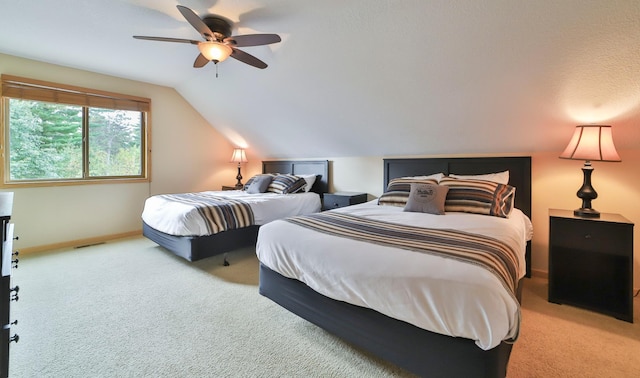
(239, 157)
(590, 143)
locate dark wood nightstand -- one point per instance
(342, 199)
(591, 262)
(227, 187)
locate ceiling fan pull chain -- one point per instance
(216, 64)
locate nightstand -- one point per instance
(227, 187)
(342, 199)
(591, 262)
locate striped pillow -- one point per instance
(286, 184)
(479, 197)
(398, 189)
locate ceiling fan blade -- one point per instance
(196, 22)
(253, 39)
(201, 61)
(248, 59)
(163, 39)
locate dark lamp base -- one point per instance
(587, 194)
(586, 213)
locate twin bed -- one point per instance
(403, 300)
(435, 294)
(179, 228)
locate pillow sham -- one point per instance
(398, 190)
(479, 197)
(499, 177)
(258, 184)
(253, 178)
(309, 180)
(427, 198)
(286, 184)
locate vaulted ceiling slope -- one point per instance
(365, 77)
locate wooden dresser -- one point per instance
(8, 293)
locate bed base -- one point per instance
(421, 352)
(195, 248)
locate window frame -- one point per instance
(14, 87)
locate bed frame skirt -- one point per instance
(194, 248)
(419, 351)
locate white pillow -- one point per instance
(310, 179)
(435, 176)
(499, 177)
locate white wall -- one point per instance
(187, 155)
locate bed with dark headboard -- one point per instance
(519, 175)
(195, 248)
(415, 349)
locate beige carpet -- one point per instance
(131, 309)
(564, 341)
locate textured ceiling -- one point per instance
(364, 77)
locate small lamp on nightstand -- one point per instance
(239, 157)
(590, 143)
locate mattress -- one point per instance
(179, 219)
(435, 293)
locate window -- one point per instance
(61, 134)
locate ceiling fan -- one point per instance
(219, 44)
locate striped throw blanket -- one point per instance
(218, 213)
(492, 254)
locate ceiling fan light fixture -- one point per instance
(214, 51)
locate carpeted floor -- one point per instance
(131, 309)
(565, 341)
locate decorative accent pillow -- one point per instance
(250, 181)
(479, 197)
(499, 177)
(286, 184)
(258, 184)
(398, 190)
(427, 198)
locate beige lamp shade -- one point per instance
(238, 156)
(591, 143)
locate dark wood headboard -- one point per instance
(302, 167)
(519, 175)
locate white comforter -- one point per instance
(179, 219)
(434, 293)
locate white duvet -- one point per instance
(178, 219)
(434, 293)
